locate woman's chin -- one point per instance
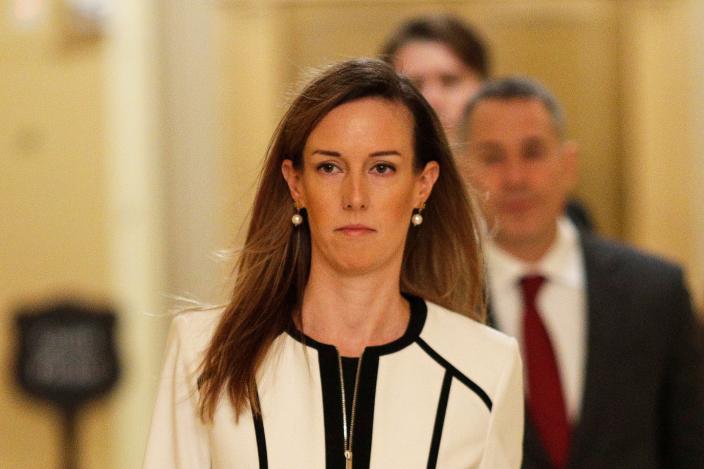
(356, 265)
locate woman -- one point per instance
(338, 349)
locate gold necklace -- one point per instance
(348, 440)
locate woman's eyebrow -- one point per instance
(373, 154)
(385, 153)
(326, 153)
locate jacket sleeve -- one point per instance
(504, 442)
(682, 394)
(178, 439)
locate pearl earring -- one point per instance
(297, 218)
(417, 218)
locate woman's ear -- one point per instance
(426, 181)
(293, 180)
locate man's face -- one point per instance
(521, 170)
(443, 79)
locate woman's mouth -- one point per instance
(355, 230)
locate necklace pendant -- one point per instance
(348, 459)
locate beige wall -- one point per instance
(135, 215)
(661, 79)
(52, 215)
(104, 158)
(695, 34)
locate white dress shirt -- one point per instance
(561, 303)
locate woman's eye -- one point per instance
(328, 168)
(383, 168)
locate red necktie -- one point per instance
(546, 403)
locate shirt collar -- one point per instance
(562, 263)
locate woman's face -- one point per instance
(359, 186)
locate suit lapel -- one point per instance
(602, 330)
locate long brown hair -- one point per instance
(441, 262)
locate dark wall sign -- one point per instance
(67, 353)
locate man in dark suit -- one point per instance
(611, 347)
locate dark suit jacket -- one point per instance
(643, 401)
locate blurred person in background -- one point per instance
(448, 61)
(614, 367)
(339, 347)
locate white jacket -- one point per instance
(447, 394)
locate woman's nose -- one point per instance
(355, 195)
